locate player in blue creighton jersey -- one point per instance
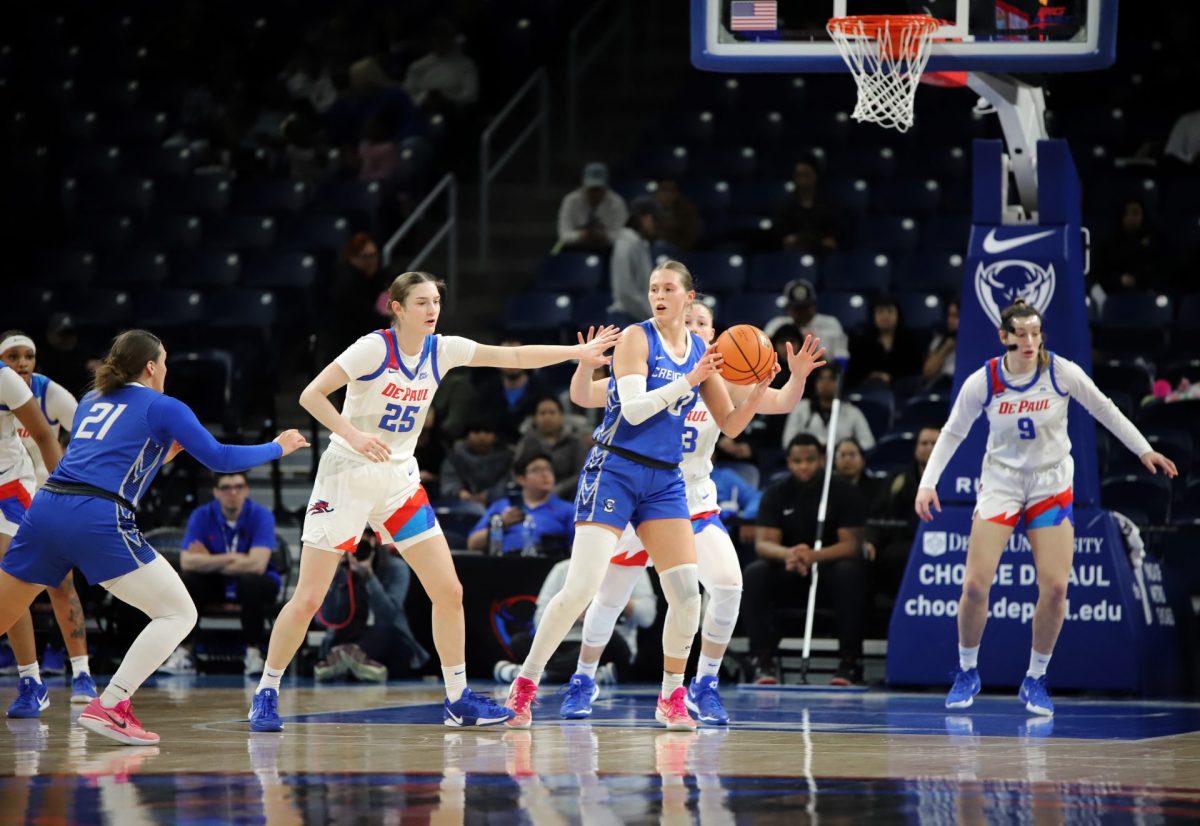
(368, 475)
(57, 404)
(1027, 471)
(83, 517)
(632, 476)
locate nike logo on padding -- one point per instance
(994, 246)
(115, 721)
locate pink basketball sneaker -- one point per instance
(673, 713)
(521, 697)
(117, 723)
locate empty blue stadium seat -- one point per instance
(716, 272)
(240, 232)
(198, 194)
(203, 380)
(161, 162)
(950, 233)
(205, 270)
(867, 272)
(876, 410)
(939, 272)
(244, 310)
(852, 194)
(923, 411)
(732, 162)
(538, 313)
(590, 310)
(1150, 494)
(103, 233)
(91, 160)
(314, 233)
(573, 272)
(710, 196)
(138, 269)
(921, 311)
(169, 310)
(100, 310)
(849, 308)
(773, 270)
(1183, 415)
(348, 196)
(271, 196)
(906, 196)
(1131, 375)
(29, 307)
(762, 197)
(108, 194)
(751, 308)
(64, 268)
(1141, 322)
(171, 231)
(634, 187)
(1186, 336)
(894, 234)
(279, 270)
(893, 452)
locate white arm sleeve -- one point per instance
(454, 351)
(14, 392)
(638, 404)
(966, 410)
(363, 357)
(1070, 377)
(60, 405)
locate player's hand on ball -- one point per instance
(373, 448)
(761, 387)
(1154, 460)
(589, 356)
(809, 357)
(709, 363)
(927, 497)
(291, 441)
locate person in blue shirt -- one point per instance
(553, 518)
(226, 557)
(125, 429)
(738, 498)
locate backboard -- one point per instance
(980, 35)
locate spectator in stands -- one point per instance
(226, 557)
(65, 357)
(1133, 259)
(352, 311)
(550, 434)
(785, 534)
(553, 527)
(364, 92)
(901, 492)
(590, 217)
(307, 79)
(510, 396)
(806, 223)
(850, 465)
(801, 306)
(377, 152)
(678, 219)
(430, 453)
(1183, 144)
(445, 79)
(307, 160)
(811, 416)
(631, 263)
(621, 651)
(476, 469)
(454, 403)
(886, 353)
(368, 631)
(938, 370)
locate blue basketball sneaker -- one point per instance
(1036, 696)
(32, 699)
(473, 709)
(966, 686)
(704, 701)
(264, 711)
(83, 688)
(581, 692)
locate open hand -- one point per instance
(809, 357)
(588, 357)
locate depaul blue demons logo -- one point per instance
(1000, 283)
(320, 506)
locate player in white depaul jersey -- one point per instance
(1027, 471)
(368, 476)
(719, 568)
(58, 406)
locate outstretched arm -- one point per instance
(171, 419)
(532, 356)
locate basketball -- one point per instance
(747, 353)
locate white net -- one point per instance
(886, 55)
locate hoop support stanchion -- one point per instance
(815, 568)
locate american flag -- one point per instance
(753, 16)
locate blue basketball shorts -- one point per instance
(616, 491)
(61, 532)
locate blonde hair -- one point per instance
(126, 359)
(1022, 309)
(680, 269)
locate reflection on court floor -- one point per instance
(380, 754)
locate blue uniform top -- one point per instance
(120, 439)
(661, 436)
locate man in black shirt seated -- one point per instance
(784, 538)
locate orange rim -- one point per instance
(872, 25)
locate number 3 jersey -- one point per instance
(700, 434)
(1027, 416)
(389, 393)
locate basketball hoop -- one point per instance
(886, 53)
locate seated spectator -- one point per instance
(445, 78)
(901, 492)
(850, 465)
(806, 223)
(590, 217)
(801, 297)
(357, 284)
(551, 435)
(553, 526)
(363, 92)
(620, 653)
(812, 414)
(369, 635)
(1183, 144)
(377, 152)
(938, 370)
(886, 353)
(785, 534)
(226, 557)
(1133, 259)
(476, 468)
(632, 264)
(678, 219)
(307, 79)
(510, 395)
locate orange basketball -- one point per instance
(747, 353)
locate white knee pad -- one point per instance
(609, 603)
(681, 586)
(722, 613)
(590, 553)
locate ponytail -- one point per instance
(126, 360)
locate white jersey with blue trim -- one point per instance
(700, 434)
(14, 460)
(390, 393)
(1027, 417)
(58, 405)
